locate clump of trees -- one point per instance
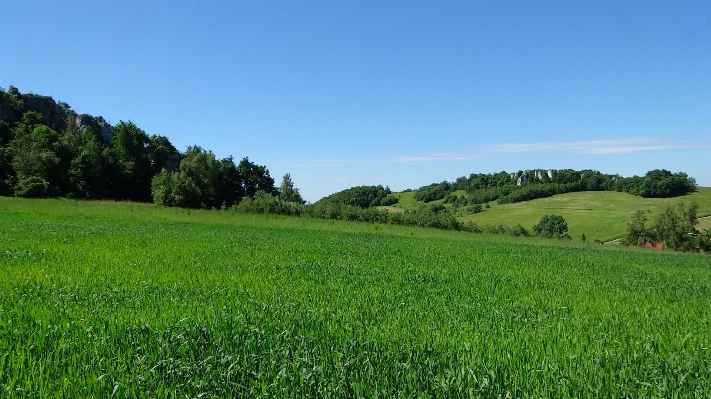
(552, 226)
(38, 161)
(675, 227)
(361, 197)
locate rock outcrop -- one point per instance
(53, 114)
(103, 130)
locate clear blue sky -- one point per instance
(398, 93)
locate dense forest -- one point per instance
(48, 150)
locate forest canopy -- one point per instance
(48, 150)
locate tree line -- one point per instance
(506, 188)
(39, 161)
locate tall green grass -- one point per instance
(102, 299)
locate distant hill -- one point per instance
(597, 214)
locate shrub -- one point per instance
(32, 187)
(551, 226)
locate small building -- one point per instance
(654, 245)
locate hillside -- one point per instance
(599, 215)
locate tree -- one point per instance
(551, 226)
(231, 190)
(129, 145)
(676, 228)
(87, 171)
(175, 190)
(255, 178)
(203, 169)
(288, 192)
(637, 233)
(35, 157)
(162, 154)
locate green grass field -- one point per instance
(599, 215)
(704, 223)
(101, 299)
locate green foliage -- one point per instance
(203, 169)
(361, 196)
(662, 183)
(389, 200)
(202, 181)
(162, 154)
(503, 188)
(13, 98)
(32, 187)
(514, 231)
(675, 226)
(76, 164)
(551, 226)
(34, 155)
(288, 192)
(5, 133)
(637, 233)
(175, 190)
(474, 209)
(255, 178)
(130, 147)
(433, 192)
(88, 170)
(263, 202)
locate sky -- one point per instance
(396, 93)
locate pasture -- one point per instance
(597, 214)
(101, 299)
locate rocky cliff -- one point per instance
(103, 130)
(55, 115)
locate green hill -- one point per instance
(597, 214)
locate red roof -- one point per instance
(655, 245)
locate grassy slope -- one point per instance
(598, 215)
(704, 223)
(114, 297)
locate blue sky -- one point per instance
(398, 93)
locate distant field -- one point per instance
(597, 214)
(704, 223)
(104, 299)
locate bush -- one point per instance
(32, 187)
(264, 202)
(388, 200)
(551, 226)
(474, 208)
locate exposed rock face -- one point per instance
(6, 113)
(101, 128)
(54, 115)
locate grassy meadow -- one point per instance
(599, 215)
(104, 299)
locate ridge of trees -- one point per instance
(37, 161)
(506, 188)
